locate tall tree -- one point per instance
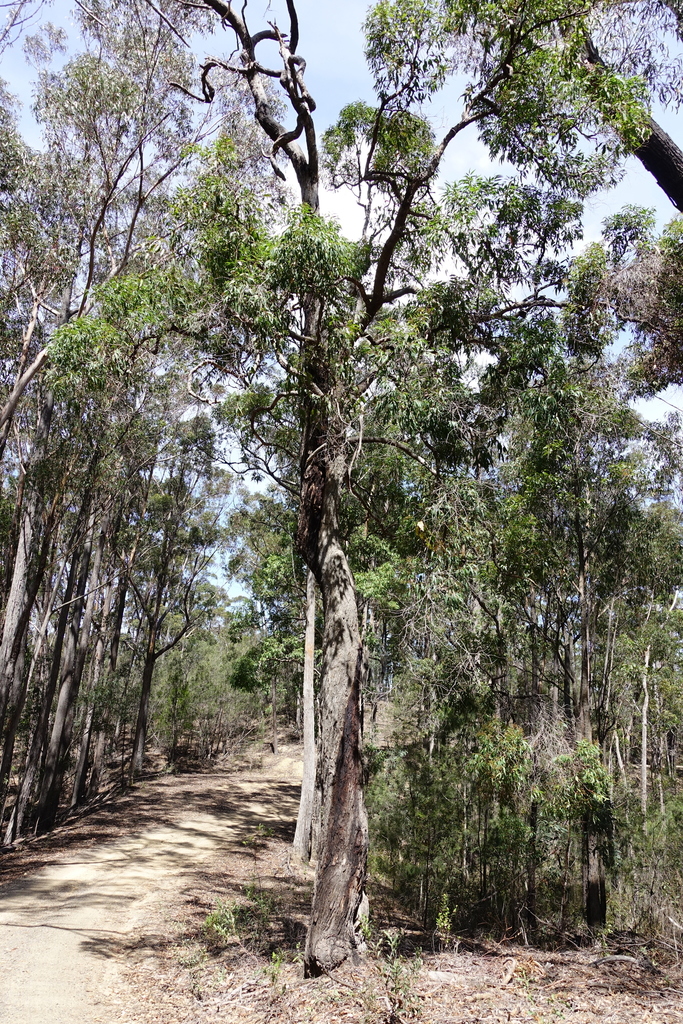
(312, 332)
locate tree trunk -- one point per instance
(27, 575)
(14, 718)
(531, 918)
(97, 763)
(23, 680)
(594, 879)
(302, 836)
(78, 792)
(595, 902)
(39, 736)
(143, 709)
(273, 712)
(338, 898)
(101, 738)
(567, 699)
(535, 704)
(617, 750)
(583, 711)
(62, 726)
(643, 742)
(660, 155)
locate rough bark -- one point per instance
(595, 895)
(338, 897)
(302, 836)
(342, 858)
(15, 709)
(660, 155)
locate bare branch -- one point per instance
(166, 21)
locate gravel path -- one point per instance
(66, 927)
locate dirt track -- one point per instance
(66, 928)
(103, 921)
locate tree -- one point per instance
(310, 324)
(73, 216)
(179, 532)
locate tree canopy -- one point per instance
(216, 398)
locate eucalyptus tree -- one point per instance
(598, 69)
(323, 335)
(113, 131)
(20, 14)
(180, 530)
(74, 215)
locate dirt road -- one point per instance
(66, 928)
(104, 922)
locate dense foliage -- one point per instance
(177, 331)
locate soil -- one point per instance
(179, 902)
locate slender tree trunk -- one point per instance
(585, 728)
(594, 880)
(22, 680)
(338, 898)
(13, 538)
(27, 575)
(567, 698)
(273, 712)
(143, 709)
(643, 741)
(97, 763)
(78, 789)
(535, 674)
(101, 738)
(593, 868)
(78, 792)
(531, 917)
(68, 692)
(617, 751)
(16, 708)
(39, 737)
(304, 822)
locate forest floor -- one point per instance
(177, 903)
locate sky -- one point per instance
(331, 42)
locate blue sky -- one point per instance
(331, 41)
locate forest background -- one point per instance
(470, 353)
